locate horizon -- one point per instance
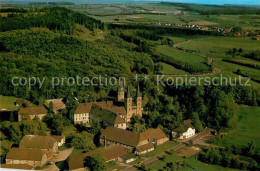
(209, 2)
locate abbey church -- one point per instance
(131, 109)
(110, 113)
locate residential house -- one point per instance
(26, 156)
(113, 153)
(39, 142)
(57, 104)
(184, 131)
(31, 113)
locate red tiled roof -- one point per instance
(26, 154)
(17, 166)
(108, 105)
(32, 111)
(121, 136)
(145, 147)
(37, 142)
(58, 138)
(57, 103)
(77, 161)
(119, 120)
(153, 134)
(83, 108)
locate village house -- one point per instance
(39, 142)
(138, 143)
(184, 131)
(31, 113)
(112, 153)
(26, 156)
(60, 139)
(57, 105)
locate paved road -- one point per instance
(175, 148)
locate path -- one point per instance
(63, 155)
(181, 43)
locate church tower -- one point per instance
(121, 93)
(129, 105)
(139, 102)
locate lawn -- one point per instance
(7, 102)
(191, 164)
(161, 148)
(247, 129)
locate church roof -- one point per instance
(128, 93)
(139, 92)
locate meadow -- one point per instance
(7, 102)
(180, 55)
(247, 129)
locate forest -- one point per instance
(42, 43)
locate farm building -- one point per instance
(184, 131)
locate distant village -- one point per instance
(118, 142)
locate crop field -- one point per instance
(218, 46)
(164, 13)
(247, 129)
(170, 70)
(182, 56)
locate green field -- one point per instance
(180, 55)
(247, 129)
(7, 102)
(216, 47)
(170, 70)
(191, 164)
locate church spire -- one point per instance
(138, 92)
(128, 93)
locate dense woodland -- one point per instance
(42, 44)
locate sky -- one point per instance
(246, 2)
